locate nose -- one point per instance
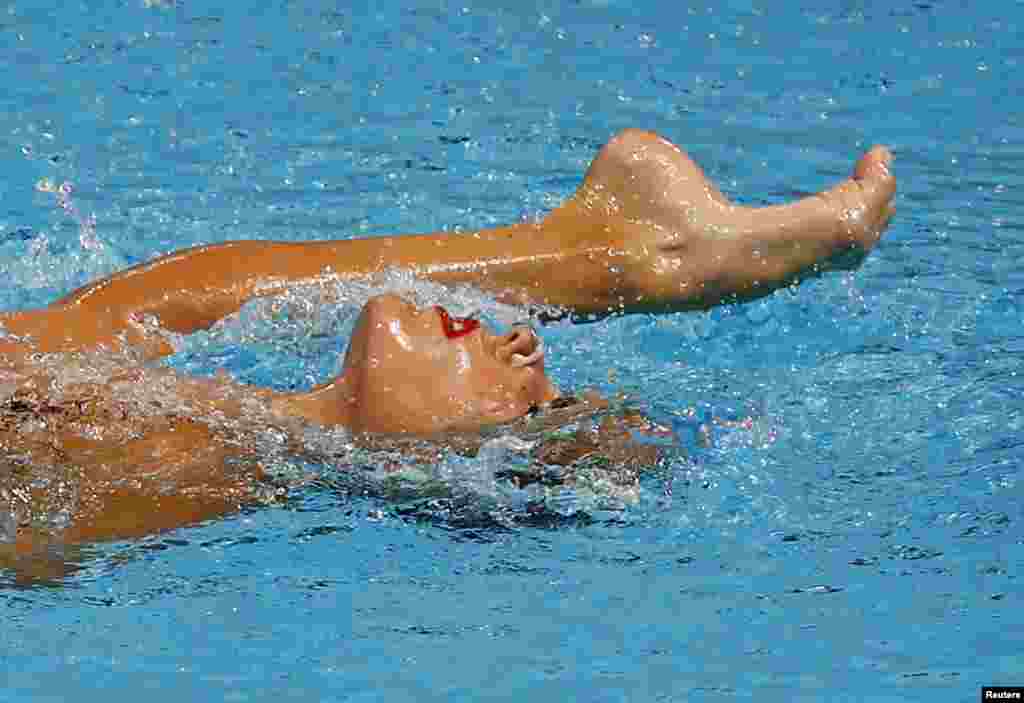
(520, 346)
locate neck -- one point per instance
(327, 404)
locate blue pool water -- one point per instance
(857, 537)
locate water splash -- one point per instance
(297, 336)
(86, 223)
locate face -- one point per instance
(421, 371)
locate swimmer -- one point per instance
(645, 232)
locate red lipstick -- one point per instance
(455, 327)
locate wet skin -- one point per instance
(645, 232)
(407, 372)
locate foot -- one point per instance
(684, 245)
(865, 200)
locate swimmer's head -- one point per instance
(422, 371)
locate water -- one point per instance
(854, 535)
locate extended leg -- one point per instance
(646, 231)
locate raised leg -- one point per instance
(645, 232)
(684, 245)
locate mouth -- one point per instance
(455, 327)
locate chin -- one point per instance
(501, 413)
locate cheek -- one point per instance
(398, 334)
(463, 362)
(507, 392)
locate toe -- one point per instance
(874, 178)
(874, 164)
